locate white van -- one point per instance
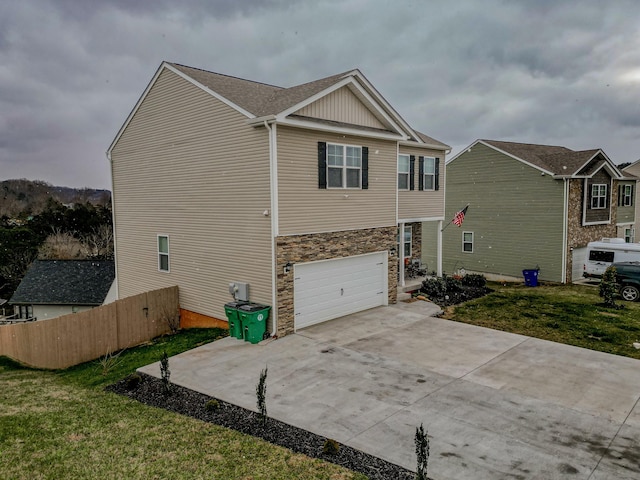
(600, 255)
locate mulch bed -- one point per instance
(188, 402)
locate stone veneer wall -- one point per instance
(325, 246)
(579, 235)
(416, 240)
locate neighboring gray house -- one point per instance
(299, 192)
(531, 205)
(52, 288)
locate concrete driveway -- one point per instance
(496, 405)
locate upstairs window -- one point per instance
(344, 166)
(429, 173)
(598, 196)
(625, 196)
(163, 253)
(403, 172)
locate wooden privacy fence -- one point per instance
(79, 337)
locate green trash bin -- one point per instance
(254, 321)
(235, 325)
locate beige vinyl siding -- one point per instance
(422, 204)
(515, 214)
(305, 208)
(188, 166)
(341, 106)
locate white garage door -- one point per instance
(332, 288)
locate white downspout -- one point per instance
(273, 179)
(401, 253)
(565, 231)
(439, 248)
(113, 222)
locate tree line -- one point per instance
(58, 231)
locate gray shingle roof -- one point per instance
(65, 282)
(257, 98)
(261, 99)
(553, 158)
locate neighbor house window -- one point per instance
(406, 238)
(429, 173)
(344, 166)
(626, 196)
(403, 172)
(599, 196)
(467, 242)
(628, 235)
(163, 253)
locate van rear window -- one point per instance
(600, 256)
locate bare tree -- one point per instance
(99, 243)
(62, 246)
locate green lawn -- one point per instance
(62, 424)
(571, 314)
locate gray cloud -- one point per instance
(534, 71)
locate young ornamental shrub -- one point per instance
(434, 287)
(609, 287)
(212, 405)
(422, 453)
(452, 284)
(330, 447)
(165, 373)
(133, 381)
(261, 396)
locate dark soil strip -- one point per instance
(187, 402)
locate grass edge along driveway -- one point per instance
(570, 314)
(64, 425)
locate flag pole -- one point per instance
(451, 221)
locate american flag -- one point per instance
(458, 219)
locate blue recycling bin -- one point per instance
(530, 277)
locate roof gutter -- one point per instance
(445, 148)
(258, 121)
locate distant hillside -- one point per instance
(30, 197)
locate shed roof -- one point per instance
(65, 282)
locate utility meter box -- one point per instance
(239, 291)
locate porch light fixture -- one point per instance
(287, 267)
(392, 251)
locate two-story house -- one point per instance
(532, 206)
(299, 192)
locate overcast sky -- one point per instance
(535, 71)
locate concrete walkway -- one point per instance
(496, 405)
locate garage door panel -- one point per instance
(333, 288)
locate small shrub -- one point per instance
(165, 373)
(330, 447)
(261, 395)
(452, 284)
(171, 317)
(212, 405)
(434, 287)
(474, 280)
(133, 381)
(422, 453)
(608, 287)
(109, 362)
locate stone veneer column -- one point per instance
(325, 246)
